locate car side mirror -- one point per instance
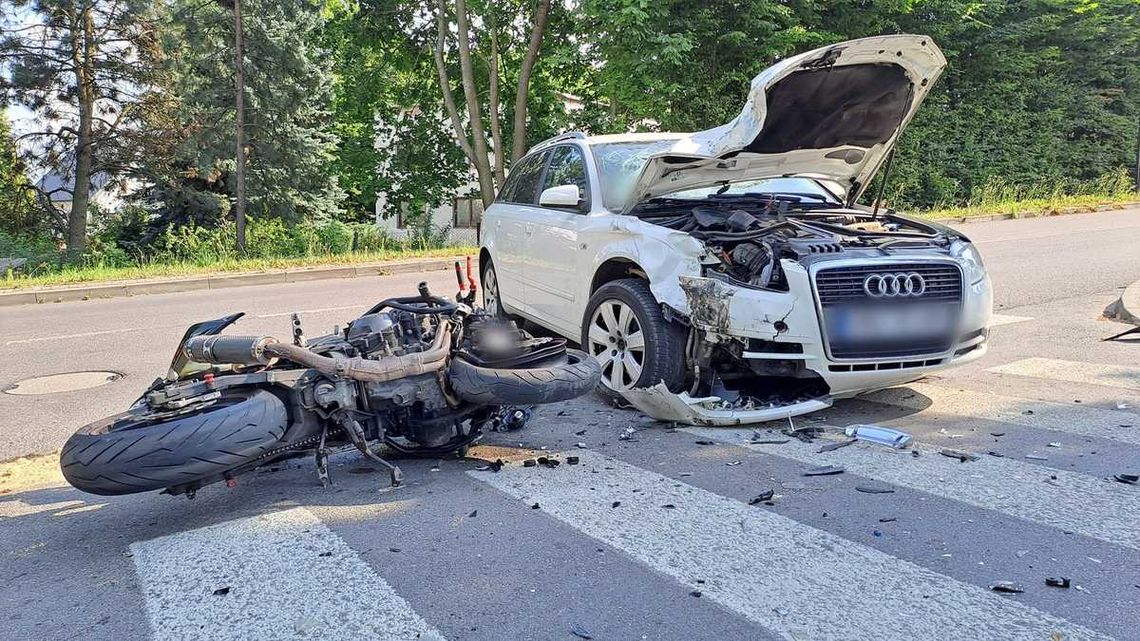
(561, 196)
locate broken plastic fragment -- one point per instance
(1008, 587)
(1057, 582)
(958, 454)
(873, 489)
(222, 591)
(580, 632)
(878, 434)
(572, 460)
(831, 447)
(825, 470)
(1130, 479)
(530, 463)
(766, 495)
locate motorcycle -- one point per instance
(419, 375)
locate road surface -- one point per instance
(650, 537)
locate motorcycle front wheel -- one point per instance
(139, 450)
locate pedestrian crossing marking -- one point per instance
(281, 575)
(1004, 319)
(1120, 376)
(791, 578)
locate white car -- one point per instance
(728, 276)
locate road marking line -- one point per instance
(1071, 419)
(40, 339)
(311, 311)
(1074, 372)
(789, 577)
(1003, 319)
(1075, 502)
(279, 585)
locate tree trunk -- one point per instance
(239, 130)
(541, 12)
(478, 137)
(445, 84)
(84, 31)
(493, 99)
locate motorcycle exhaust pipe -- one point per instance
(230, 350)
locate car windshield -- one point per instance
(794, 186)
(619, 163)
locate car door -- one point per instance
(551, 279)
(507, 219)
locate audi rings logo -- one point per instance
(900, 285)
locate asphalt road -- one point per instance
(650, 537)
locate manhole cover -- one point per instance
(68, 382)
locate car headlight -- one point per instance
(971, 260)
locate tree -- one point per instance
(489, 163)
(18, 213)
(289, 143)
(81, 66)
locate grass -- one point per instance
(1029, 206)
(70, 276)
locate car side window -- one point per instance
(522, 183)
(567, 167)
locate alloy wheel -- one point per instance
(490, 292)
(617, 342)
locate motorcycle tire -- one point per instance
(534, 386)
(138, 452)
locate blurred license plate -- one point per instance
(878, 322)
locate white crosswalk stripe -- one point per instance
(799, 581)
(1077, 502)
(1074, 372)
(1071, 419)
(288, 576)
(1005, 319)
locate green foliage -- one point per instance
(18, 213)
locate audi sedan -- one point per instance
(730, 276)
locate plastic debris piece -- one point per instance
(580, 446)
(1036, 457)
(222, 591)
(872, 489)
(1007, 587)
(1057, 582)
(915, 453)
(706, 442)
(473, 514)
(394, 550)
(530, 463)
(958, 454)
(996, 454)
(579, 433)
(580, 632)
(616, 503)
(669, 506)
(572, 460)
(696, 593)
(1054, 444)
(549, 462)
(535, 506)
(732, 463)
(1130, 479)
(831, 447)
(878, 434)
(997, 433)
(766, 495)
(825, 470)
(876, 532)
(888, 519)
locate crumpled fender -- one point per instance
(664, 254)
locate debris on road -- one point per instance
(763, 497)
(995, 454)
(888, 519)
(761, 439)
(1054, 444)
(1057, 582)
(733, 463)
(1130, 479)
(997, 433)
(549, 462)
(222, 591)
(831, 447)
(615, 504)
(825, 470)
(572, 460)
(535, 506)
(627, 434)
(492, 467)
(705, 442)
(873, 489)
(580, 632)
(958, 454)
(695, 593)
(530, 463)
(1007, 587)
(1036, 457)
(807, 434)
(878, 434)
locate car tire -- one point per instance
(632, 312)
(492, 298)
(129, 452)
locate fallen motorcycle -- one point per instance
(418, 375)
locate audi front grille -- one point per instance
(935, 286)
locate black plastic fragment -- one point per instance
(616, 503)
(873, 489)
(705, 442)
(530, 463)
(572, 460)
(1007, 587)
(222, 591)
(1057, 582)
(830, 447)
(580, 632)
(695, 593)
(766, 495)
(958, 454)
(1130, 479)
(534, 507)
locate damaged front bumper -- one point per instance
(774, 331)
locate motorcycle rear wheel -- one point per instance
(138, 451)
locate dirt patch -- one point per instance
(30, 472)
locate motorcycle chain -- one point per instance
(302, 444)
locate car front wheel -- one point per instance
(625, 331)
(492, 303)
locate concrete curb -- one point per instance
(1067, 211)
(218, 281)
(1126, 309)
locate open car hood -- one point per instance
(833, 113)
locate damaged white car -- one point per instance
(729, 276)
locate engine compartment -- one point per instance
(747, 235)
